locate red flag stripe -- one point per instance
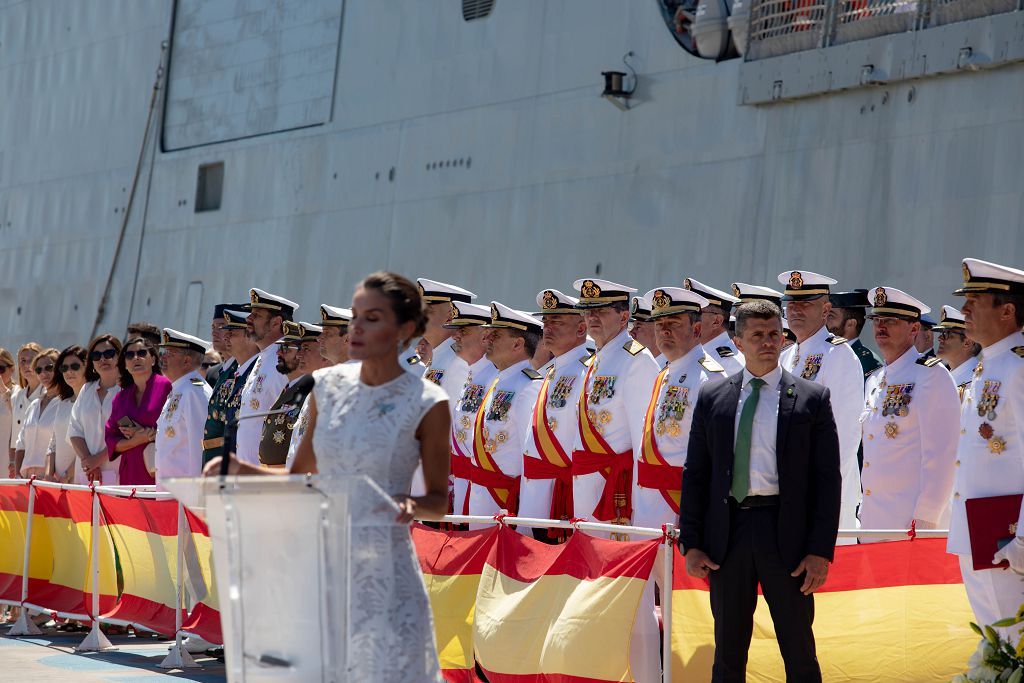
(152, 516)
(527, 559)
(452, 553)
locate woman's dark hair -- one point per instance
(52, 355)
(63, 388)
(90, 371)
(126, 377)
(404, 296)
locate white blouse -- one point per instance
(59, 445)
(20, 401)
(36, 432)
(6, 416)
(89, 417)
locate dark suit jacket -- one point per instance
(807, 453)
(213, 374)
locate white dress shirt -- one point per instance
(261, 389)
(64, 455)
(36, 432)
(964, 373)
(21, 399)
(764, 467)
(88, 421)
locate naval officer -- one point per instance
(822, 357)
(641, 327)
(500, 424)
(265, 383)
(714, 320)
(846, 319)
(179, 429)
(957, 351)
(661, 453)
(990, 453)
(333, 338)
(909, 421)
(444, 367)
(612, 402)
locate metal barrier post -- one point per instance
(96, 640)
(668, 564)
(25, 626)
(178, 657)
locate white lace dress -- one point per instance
(372, 431)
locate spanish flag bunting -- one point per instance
(452, 562)
(563, 613)
(60, 567)
(204, 618)
(13, 523)
(145, 534)
(890, 612)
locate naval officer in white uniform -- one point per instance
(714, 320)
(956, 349)
(990, 453)
(909, 418)
(822, 357)
(179, 429)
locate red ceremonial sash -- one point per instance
(653, 471)
(500, 489)
(615, 504)
(554, 463)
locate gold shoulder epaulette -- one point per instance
(1019, 350)
(724, 352)
(633, 347)
(198, 381)
(836, 341)
(587, 359)
(412, 360)
(710, 364)
(531, 373)
(928, 362)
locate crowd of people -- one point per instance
(583, 408)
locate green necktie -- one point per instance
(741, 456)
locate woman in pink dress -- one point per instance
(133, 414)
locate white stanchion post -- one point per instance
(25, 626)
(179, 657)
(668, 560)
(97, 640)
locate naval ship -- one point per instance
(161, 156)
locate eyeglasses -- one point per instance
(946, 334)
(44, 368)
(141, 353)
(288, 347)
(5, 368)
(109, 354)
(75, 367)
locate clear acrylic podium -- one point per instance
(281, 563)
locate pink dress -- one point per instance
(132, 469)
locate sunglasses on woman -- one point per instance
(5, 368)
(109, 354)
(73, 367)
(44, 368)
(141, 353)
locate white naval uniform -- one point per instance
(261, 390)
(479, 378)
(674, 410)
(908, 458)
(448, 371)
(723, 349)
(629, 378)
(563, 398)
(991, 466)
(410, 360)
(506, 410)
(179, 429)
(963, 374)
(661, 361)
(301, 423)
(840, 370)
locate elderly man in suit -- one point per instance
(760, 498)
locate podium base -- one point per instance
(24, 626)
(178, 657)
(96, 641)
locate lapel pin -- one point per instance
(789, 391)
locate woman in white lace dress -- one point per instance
(376, 419)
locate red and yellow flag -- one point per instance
(892, 611)
(145, 534)
(204, 619)
(13, 522)
(560, 613)
(452, 562)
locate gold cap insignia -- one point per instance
(423, 292)
(167, 338)
(291, 329)
(687, 285)
(880, 298)
(796, 280)
(661, 299)
(454, 313)
(634, 306)
(966, 271)
(736, 291)
(494, 313)
(550, 300)
(254, 298)
(590, 290)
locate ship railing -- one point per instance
(778, 27)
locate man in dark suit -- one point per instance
(760, 498)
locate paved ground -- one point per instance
(51, 658)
